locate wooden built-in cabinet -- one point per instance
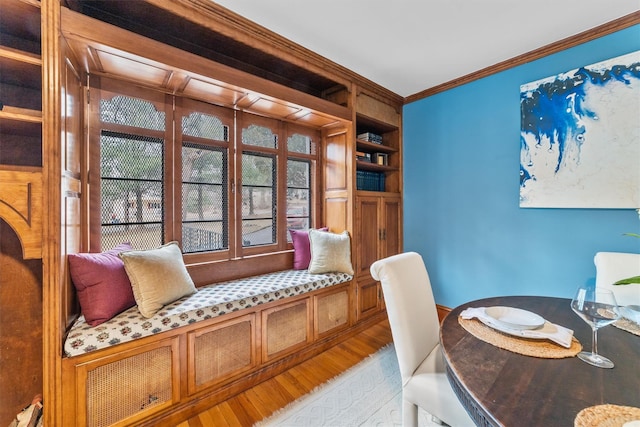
(378, 164)
(21, 187)
(378, 233)
(21, 122)
(377, 211)
(135, 383)
(48, 49)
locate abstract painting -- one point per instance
(580, 137)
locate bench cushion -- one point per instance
(210, 301)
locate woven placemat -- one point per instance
(529, 347)
(627, 325)
(606, 416)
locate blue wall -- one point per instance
(461, 191)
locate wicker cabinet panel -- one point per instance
(129, 386)
(220, 352)
(286, 328)
(331, 311)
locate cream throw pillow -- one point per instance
(158, 277)
(330, 252)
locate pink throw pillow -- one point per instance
(302, 248)
(101, 281)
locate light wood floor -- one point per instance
(262, 400)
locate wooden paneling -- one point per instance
(312, 118)
(23, 147)
(20, 206)
(337, 181)
(210, 91)
(286, 328)
(337, 162)
(150, 63)
(392, 226)
(337, 214)
(442, 312)
(20, 326)
(368, 299)
(121, 66)
(71, 164)
(368, 232)
(379, 235)
(376, 109)
(331, 311)
(221, 351)
(130, 386)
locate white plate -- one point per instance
(631, 312)
(547, 331)
(514, 318)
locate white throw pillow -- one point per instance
(158, 277)
(330, 252)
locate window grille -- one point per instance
(128, 111)
(298, 143)
(205, 126)
(298, 195)
(258, 199)
(133, 170)
(132, 190)
(205, 225)
(259, 136)
(299, 169)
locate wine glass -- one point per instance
(598, 308)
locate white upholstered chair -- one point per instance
(613, 266)
(415, 329)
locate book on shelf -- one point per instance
(363, 157)
(370, 137)
(370, 181)
(380, 159)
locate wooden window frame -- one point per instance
(175, 108)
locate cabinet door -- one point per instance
(369, 298)
(123, 388)
(379, 233)
(286, 328)
(391, 226)
(367, 234)
(222, 351)
(378, 228)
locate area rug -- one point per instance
(368, 394)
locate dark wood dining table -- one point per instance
(502, 388)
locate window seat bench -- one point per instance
(204, 348)
(210, 301)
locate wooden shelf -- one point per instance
(21, 114)
(20, 169)
(372, 147)
(20, 56)
(374, 167)
(365, 193)
(20, 122)
(21, 69)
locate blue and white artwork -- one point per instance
(580, 137)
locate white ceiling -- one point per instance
(408, 46)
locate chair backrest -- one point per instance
(410, 307)
(613, 266)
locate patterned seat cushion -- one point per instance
(210, 301)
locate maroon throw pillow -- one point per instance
(302, 248)
(101, 281)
